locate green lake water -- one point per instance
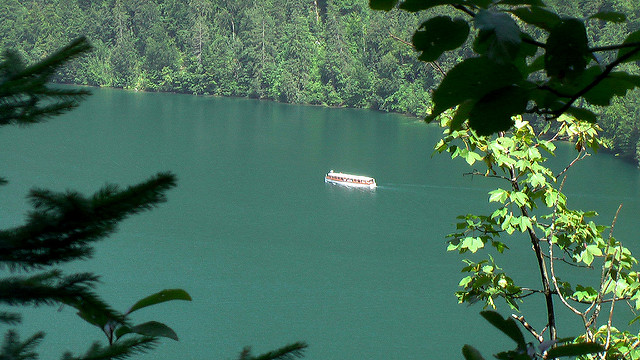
(269, 252)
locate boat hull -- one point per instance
(344, 183)
(350, 180)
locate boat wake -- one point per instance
(418, 187)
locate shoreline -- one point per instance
(627, 159)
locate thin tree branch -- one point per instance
(615, 47)
(434, 64)
(464, 9)
(530, 292)
(401, 40)
(529, 328)
(533, 42)
(578, 158)
(554, 91)
(478, 173)
(615, 219)
(603, 301)
(595, 81)
(551, 262)
(613, 304)
(564, 260)
(544, 276)
(605, 272)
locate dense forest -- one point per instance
(323, 52)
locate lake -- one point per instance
(269, 252)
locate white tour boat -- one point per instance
(350, 180)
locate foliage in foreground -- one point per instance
(63, 226)
(531, 202)
(531, 66)
(526, 350)
(527, 60)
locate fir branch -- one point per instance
(10, 318)
(25, 97)
(120, 350)
(288, 352)
(13, 348)
(62, 226)
(50, 288)
(291, 351)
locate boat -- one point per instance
(350, 180)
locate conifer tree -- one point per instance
(63, 226)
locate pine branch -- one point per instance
(10, 318)
(288, 352)
(25, 97)
(13, 348)
(120, 350)
(50, 288)
(62, 226)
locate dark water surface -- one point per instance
(270, 253)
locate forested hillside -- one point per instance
(326, 52)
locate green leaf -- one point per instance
(160, 297)
(465, 281)
(536, 65)
(537, 179)
(93, 317)
(472, 243)
(461, 115)
(537, 16)
(482, 4)
(574, 350)
(610, 16)
(500, 246)
(155, 329)
(472, 157)
(493, 112)
(634, 37)
(498, 36)
(522, 2)
(567, 50)
(616, 84)
(498, 195)
(122, 330)
(471, 80)
(519, 198)
(527, 49)
(586, 257)
(548, 146)
(439, 34)
(525, 223)
(507, 326)
(470, 353)
(417, 5)
(594, 249)
(582, 114)
(385, 5)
